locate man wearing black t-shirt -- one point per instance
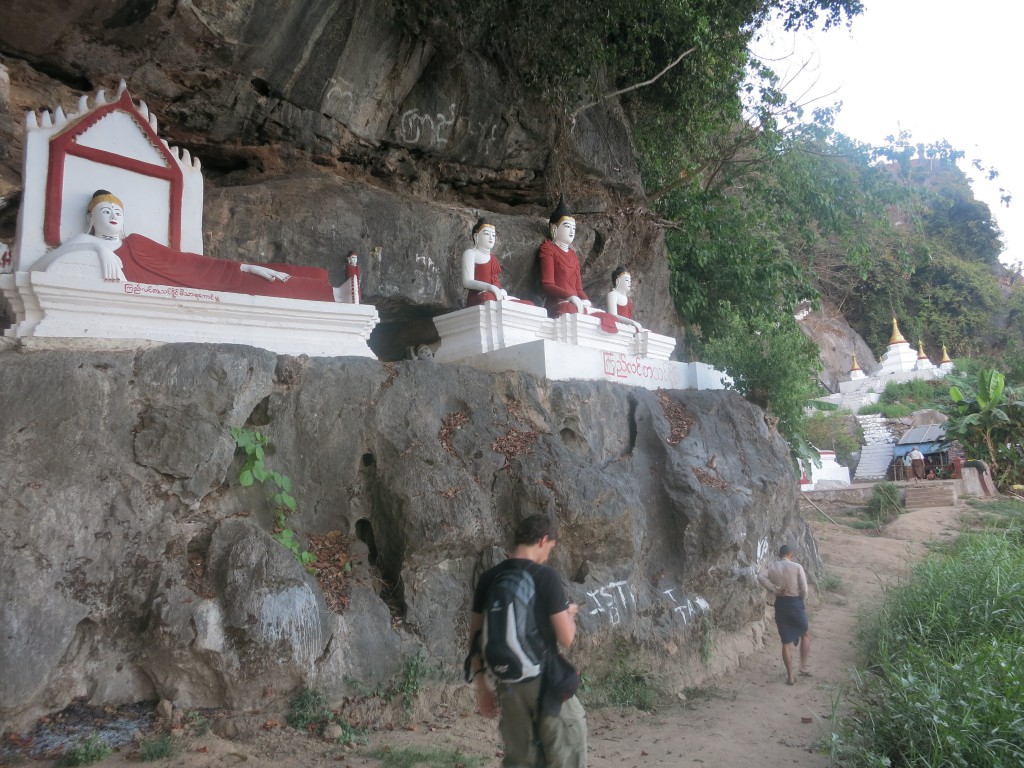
(563, 738)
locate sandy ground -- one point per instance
(748, 717)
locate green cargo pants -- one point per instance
(563, 738)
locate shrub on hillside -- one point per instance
(886, 503)
(834, 431)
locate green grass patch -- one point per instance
(830, 582)
(886, 503)
(624, 679)
(946, 653)
(889, 410)
(917, 394)
(157, 747)
(351, 734)
(409, 757)
(197, 723)
(415, 670)
(1012, 509)
(90, 751)
(309, 711)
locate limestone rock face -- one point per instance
(134, 565)
(837, 344)
(326, 127)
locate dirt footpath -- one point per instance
(747, 718)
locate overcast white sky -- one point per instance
(937, 68)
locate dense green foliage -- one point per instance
(762, 207)
(945, 650)
(834, 431)
(987, 417)
(770, 361)
(572, 52)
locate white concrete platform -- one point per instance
(60, 304)
(500, 336)
(558, 361)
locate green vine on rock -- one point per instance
(254, 470)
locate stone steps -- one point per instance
(931, 494)
(875, 459)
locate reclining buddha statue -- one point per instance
(138, 259)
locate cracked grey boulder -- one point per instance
(135, 566)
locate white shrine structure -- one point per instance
(505, 335)
(115, 144)
(900, 363)
(829, 474)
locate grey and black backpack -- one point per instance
(511, 645)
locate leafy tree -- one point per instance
(965, 225)
(833, 431)
(989, 422)
(953, 301)
(771, 363)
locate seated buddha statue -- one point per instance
(560, 266)
(138, 259)
(481, 273)
(618, 300)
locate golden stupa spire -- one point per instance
(855, 366)
(920, 350)
(945, 356)
(897, 337)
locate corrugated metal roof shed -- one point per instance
(929, 433)
(930, 438)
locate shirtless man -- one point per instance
(788, 582)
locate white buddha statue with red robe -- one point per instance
(481, 272)
(138, 259)
(618, 300)
(560, 266)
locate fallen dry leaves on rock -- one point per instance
(706, 478)
(452, 422)
(333, 567)
(680, 422)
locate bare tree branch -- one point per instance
(635, 87)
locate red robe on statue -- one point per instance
(147, 261)
(560, 278)
(488, 272)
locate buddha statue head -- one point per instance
(562, 225)
(483, 235)
(105, 215)
(622, 280)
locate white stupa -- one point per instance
(899, 357)
(855, 371)
(945, 364)
(923, 363)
